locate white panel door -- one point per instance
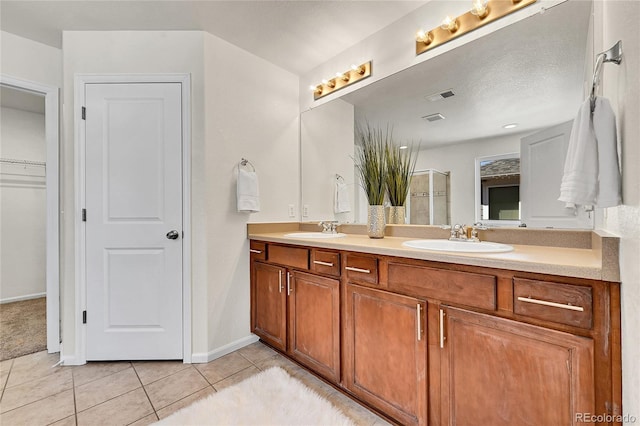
(542, 156)
(133, 203)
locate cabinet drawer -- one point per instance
(258, 250)
(465, 288)
(361, 268)
(325, 262)
(289, 256)
(560, 303)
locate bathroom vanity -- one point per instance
(529, 337)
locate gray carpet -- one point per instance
(23, 328)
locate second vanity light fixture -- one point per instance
(341, 80)
(481, 13)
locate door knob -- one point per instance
(173, 235)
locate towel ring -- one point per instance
(612, 55)
(244, 162)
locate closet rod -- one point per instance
(23, 162)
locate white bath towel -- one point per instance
(591, 173)
(247, 190)
(342, 203)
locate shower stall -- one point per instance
(429, 201)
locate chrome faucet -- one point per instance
(329, 226)
(465, 233)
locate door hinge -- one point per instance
(84, 113)
(84, 215)
(84, 317)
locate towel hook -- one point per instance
(244, 162)
(339, 178)
(612, 55)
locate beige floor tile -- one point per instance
(175, 387)
(256, 352)
(147, 420)
(67, 421)
(122, 410)
(5, 366)
(185, 402)
(236, 378)
(356, 412)
(279, 361)
(3, 381)
(41, 412)
(34, 390)
(150, 371)
(223, 367)
(33, 366)
(98, 391)
(96, 370)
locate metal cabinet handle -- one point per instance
(280, 281)
(419, 321)
(288, 284)
(255, 251)
(351, 268)
(319, 262)
(552, 304)
(442, 314)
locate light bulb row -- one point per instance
(341, 79)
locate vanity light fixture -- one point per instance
(510, 126)
(341, 79)
(481, 13)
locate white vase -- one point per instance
(375, 222)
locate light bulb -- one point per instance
(449, 24)
(479, 8)
(423, 37)
(343, 76)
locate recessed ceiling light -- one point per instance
(403, 147)
(510, 126)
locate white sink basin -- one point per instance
(312, 235)
(458, 246)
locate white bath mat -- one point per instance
(268, 398)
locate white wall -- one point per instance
(251, 111)
(459, 160)
(326, 139)
(242, 106)
(22, 206)
(619, 20)
(30, 60)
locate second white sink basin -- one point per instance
(459, 246)
(314, 235)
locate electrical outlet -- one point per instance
(305, 210)
(292, 210)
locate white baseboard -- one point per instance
(21, 298)
(201, 358)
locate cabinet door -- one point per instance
(270, 304)
(500, 372)
(385, 352)
(314, 323)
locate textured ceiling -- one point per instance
(296, 35)
(530, 73)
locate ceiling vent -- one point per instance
(440, 96)
(434, 117)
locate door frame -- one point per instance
(80, 81)
(52, 250)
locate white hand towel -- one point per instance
(342, 203)
(580, 180)
(247, 189)
(604, 126)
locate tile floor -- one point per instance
(136, 393)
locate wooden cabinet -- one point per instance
(269, 304)
(439, 343)
(386, 352)
(314, 323)
(297, 312)
(495, 371)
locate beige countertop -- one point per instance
(563, 261)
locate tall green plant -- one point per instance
(371, 161)
(400, 166)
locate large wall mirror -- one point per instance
(492, 117)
